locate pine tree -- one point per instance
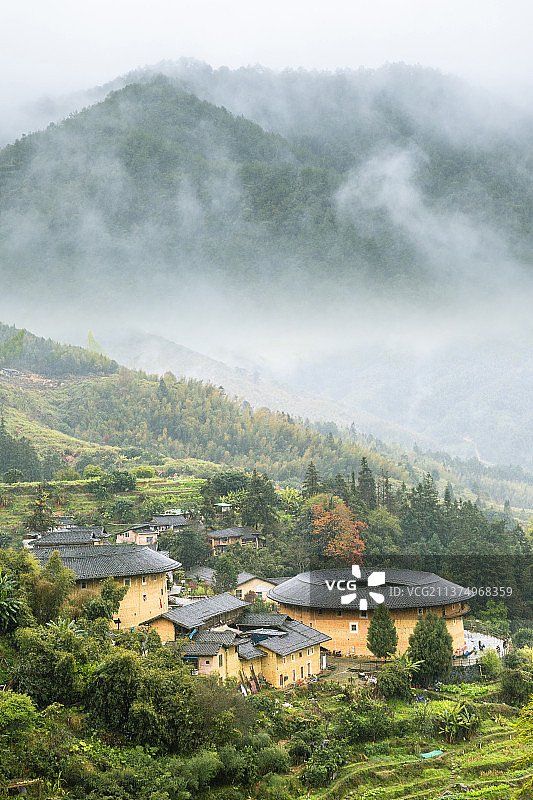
(431, 643)
(41, 517)
(382, 637)
(311, 484)
(259, 502)
(366, 485)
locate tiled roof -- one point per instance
(248, 651)
(265, 620)
(226, 638)
(206, 574)
(245, 533)
(142, 526)
(200, 613)
(114, 560)
(201, 649)
(277, 581)
(402, 589)
(243, 577)
(71, 536)
(298, 636)
(175, 520)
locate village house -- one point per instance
(209, 612)
(255, 649)
(318, 599)
(71, 535)
(142, 570)
(146, 533)
(291, 650)
(142, 534)
(253, 586)
(219, 541)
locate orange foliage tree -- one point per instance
(337, 534)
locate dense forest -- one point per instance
(92, 411)
(209, 187)
(386, 211)
(22, 350)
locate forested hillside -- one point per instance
(363, 236)
(189, 180)
(178, 418)
(21, 350)
(80, 408)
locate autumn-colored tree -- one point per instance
(338, 535)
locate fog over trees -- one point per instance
(353, 245)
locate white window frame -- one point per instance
(354, 627)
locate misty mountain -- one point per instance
(362, 238)
(254, 383)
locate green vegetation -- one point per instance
(21, 350)
(382, 637)
(431, 645)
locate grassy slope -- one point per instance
(75, 499)
(491, 765)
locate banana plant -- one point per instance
(10, 604)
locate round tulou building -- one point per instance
(341, 604)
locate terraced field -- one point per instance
(71, 498)
(493, 765)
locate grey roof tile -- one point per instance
(175, 520)
(71, 536)
(243, 577)
(200, 613)
(248, 651)
(298, 637)
(206, 574)
(201, 649)
(226, 638)
(114, 560)
(402, 589)
(245, 533)
(265, 620)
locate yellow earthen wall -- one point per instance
(255, 585)
(354, 642)
(165, 629)
(273, 665)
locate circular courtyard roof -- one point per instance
(339, 588)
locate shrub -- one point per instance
(67, 474)
(518, 659)
(299, 751)
(13, 476)
(200, 770)
(143, 471)
(272, 759)
(490, 664)
(92, 471)
(516, 686)
(394, 680)
(17, 714)
(523, 638)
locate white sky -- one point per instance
(57, 46)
